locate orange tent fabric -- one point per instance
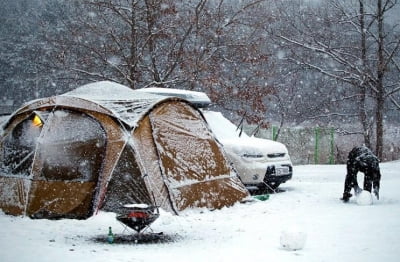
(102, 146)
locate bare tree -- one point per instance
(361, 58)
(216, 46)
(21, 74)
(232, 64)
(363, 114)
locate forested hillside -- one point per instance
(290, 62)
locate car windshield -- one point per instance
(222, 127)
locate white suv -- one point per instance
(261, 164)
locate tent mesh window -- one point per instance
(72, 147)
(18, 148)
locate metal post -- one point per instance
(274, 132)
(316, 149)
(332, 145)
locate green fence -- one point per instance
(305, 145)
(323, 145)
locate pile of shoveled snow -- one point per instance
(293, 239)
(364, 198)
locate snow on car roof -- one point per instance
(200, 99)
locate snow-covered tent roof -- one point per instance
(111, 98)
(121, 100)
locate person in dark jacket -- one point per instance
(361, 159)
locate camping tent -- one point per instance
(104, 145)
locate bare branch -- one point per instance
(333, 114)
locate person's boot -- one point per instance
(376, 192)
(346, 197)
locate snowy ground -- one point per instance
(246, 232)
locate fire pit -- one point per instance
(138, 216)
